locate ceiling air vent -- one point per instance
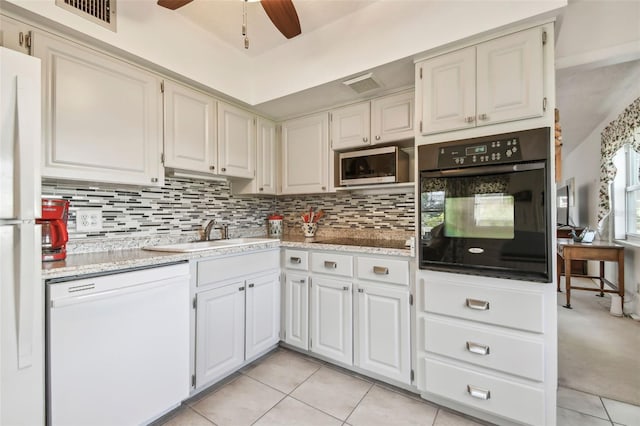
(102, 12)
(362, 83)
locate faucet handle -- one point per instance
(224, 232)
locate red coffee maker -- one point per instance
(54, 229)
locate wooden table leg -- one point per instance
(567, 278)
(559, 261)
(621, 277)
(601, 279)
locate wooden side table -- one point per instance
(569, 250)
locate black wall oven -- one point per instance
(485, 206)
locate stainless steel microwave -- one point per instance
(372, 166)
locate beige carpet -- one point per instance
(598, 353)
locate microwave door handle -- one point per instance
(483, 170)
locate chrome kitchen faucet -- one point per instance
(224, 231)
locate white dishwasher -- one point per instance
(118, 347)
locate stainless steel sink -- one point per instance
(207, 245)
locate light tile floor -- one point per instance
(288, 388)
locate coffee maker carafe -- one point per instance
(54, 229)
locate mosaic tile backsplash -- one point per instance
(134, 217)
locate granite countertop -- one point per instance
(81, 264)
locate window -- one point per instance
(626, 194)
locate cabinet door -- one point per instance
(510, 78)
(267, 160)
(263, 314)
(15, 35)
(305, 155)
(448, 92)
(383, 332)
(102, 117)
(189, 129)
(350, 127)
(236, 142)
(219, 332)
(392, 118)
(332, 319)
(297, 310)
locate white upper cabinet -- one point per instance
(15, 35)
(305, 155)
(350, 126)
(510, 76)
(266, 162)
(267, 158)
(383, 120)
(449, 91)
(102, 117)
(392, 118)
(189, 129)
(236, 142)
(496, 81)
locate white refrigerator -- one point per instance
(22, 389)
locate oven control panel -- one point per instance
(497, 151)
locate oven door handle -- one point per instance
(483, 170)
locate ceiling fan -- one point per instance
(281, 12)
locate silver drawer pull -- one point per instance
(330, 264)
(303, 281)
(380, 270)
(480, 305)
(345, 288)
(295, 260)
(478, 393)
(476, 348)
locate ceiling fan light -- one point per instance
(362, 83)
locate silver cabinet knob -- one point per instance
(154, 180)
(261, 189)
(224, 169)
(212, 167)
(469, 119)
(365, 139)
(483, 117)
(378, 137)
(345, 288)
(324, 188)
(478, 393)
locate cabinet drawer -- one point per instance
(332, 264)
(296, 259)
(484, 346)
(504, 398)
(220, 269)
(383, 270)
(521, 309)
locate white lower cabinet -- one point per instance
(237, 312)
(332, 319)
(219, 332)
(262, 313)
(383, 331)
(297, 310)
(350, 308)
(484, 343)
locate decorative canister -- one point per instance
(275, 226)
(309, 229)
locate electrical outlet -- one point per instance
(88, 220)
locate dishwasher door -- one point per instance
(118, 347)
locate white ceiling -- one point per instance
(223, 18)
(586, 94)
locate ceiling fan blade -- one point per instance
(283, 15)
(173, 4)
